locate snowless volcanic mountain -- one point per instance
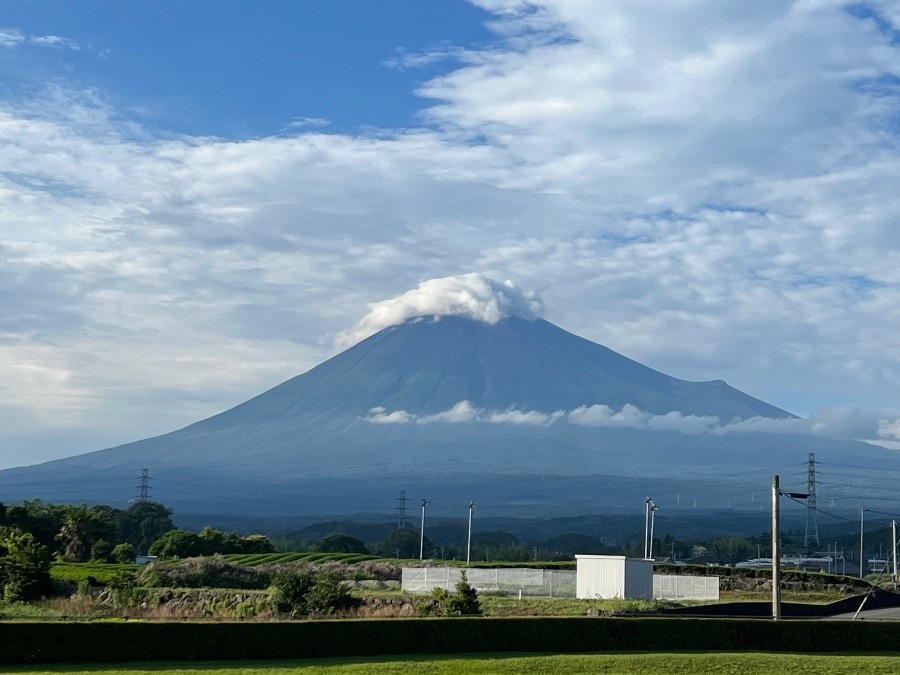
(470, 393)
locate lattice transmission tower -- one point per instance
(812, 523)
(145, 486)
(401, 510)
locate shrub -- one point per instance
(304, 592)
(290, 591)
(327, 594)
(441, 603)
(466, 599)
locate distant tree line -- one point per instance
(80, 533)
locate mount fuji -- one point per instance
(489, 399)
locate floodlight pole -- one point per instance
(425, 503)
(776, 552)
(469, 544)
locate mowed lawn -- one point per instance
(718, 663)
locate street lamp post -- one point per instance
(425, 503)
(653, 510)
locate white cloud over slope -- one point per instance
(852, 424)
(472, 296)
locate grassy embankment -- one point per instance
(502, 664)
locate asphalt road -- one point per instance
(887, 614)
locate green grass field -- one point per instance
(104, 573)
(502, 664)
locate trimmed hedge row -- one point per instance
(44, 642)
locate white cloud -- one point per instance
(889, 429)
(844, 423)
(403, 59)
(309, 123)
(525, 417)
(54, 41)
(699, 185)
(379, 416)
(11, 37)
(463, 411)
(472, 295)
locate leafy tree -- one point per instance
(143, 523)
(72, 534)
(41, 520)
(24, 566)
(256, 543)
(341, 543)
(402, 544)
(217, 541)
(122, 553)
(179, 544)
(101, 550)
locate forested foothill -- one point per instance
(80, 560)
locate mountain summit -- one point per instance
(427, 365)
(486, 388)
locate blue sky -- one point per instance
(198, 200)
(239, 69)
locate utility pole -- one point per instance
(145, 486)
(862, 522)
(401, 510)
(894, 548)
(812, 524)
(469, 544)
(648, 506)
(425, 503)
(776, 552)
(653, 510)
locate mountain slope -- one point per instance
(319, 425)
(428, 366)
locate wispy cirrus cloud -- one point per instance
(13, 37)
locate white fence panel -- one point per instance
(509, 581)
(683, 587)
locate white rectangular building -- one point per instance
(613, 576)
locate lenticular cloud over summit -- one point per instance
(472, 296)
